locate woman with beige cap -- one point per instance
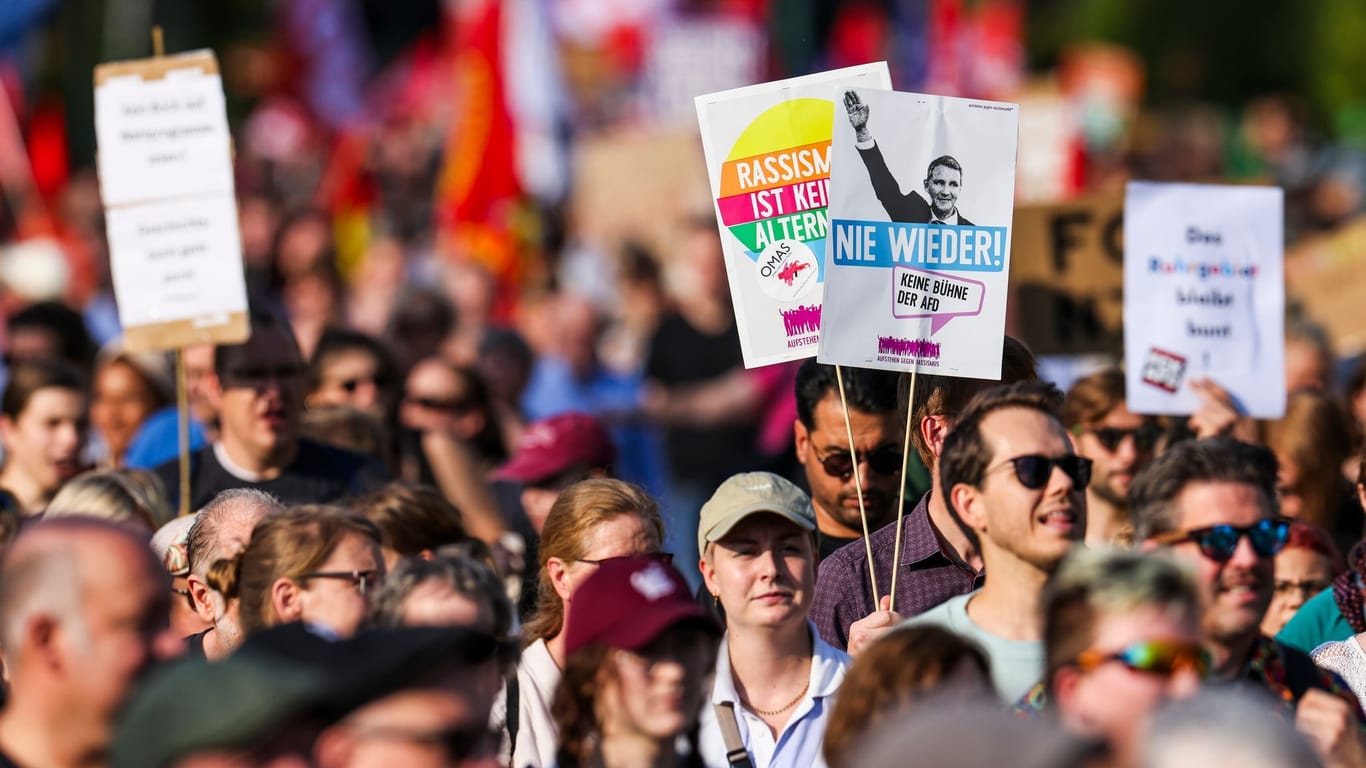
(775, 677)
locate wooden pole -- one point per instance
(901, 497)
(182, 398)
(182, 405)
(858, 485)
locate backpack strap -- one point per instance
(736, 754)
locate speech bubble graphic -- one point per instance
(940, 297)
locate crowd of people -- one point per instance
(392, 562)
(445, 510)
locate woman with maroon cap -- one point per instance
(640, 657)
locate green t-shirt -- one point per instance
(1315, 623)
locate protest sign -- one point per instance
(917, 280)
(1204, 296)
(1067, 277)
(165, 167)
(768, 157)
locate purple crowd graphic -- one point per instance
(803, 319)
(922, 348)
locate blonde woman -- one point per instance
(109, 494)
(592, 521)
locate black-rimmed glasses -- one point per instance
(361, 580)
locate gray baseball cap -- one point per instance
(751, 493)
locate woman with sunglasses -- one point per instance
(775, 676)
(592, 521)
(312, 563)
(640, 653)
(1121, 636)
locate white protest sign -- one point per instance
(162, 138)
(768, 157)
(1204, 296)
(166, 179)
(918, 279)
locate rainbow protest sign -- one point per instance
(768, 158)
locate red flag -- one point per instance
(478, 191)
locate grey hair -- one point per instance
(1231, 726)
(466, 576)
(202, 547)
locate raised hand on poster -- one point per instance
(858, 117)
(1218, 414)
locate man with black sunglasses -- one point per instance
(1212, 503)
(1013, 480)
(937, 558)
(259, 395)
(1119, 444)
(823, 449)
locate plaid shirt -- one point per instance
(928, 576)
(1279, 669)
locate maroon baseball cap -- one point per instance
(551, 446)
(628, 602)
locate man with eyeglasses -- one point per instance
(1119, 444)
(259, 397)
(1012, 478)
(1121, 637)
(938, 560)
(823, 449)
(1212, 504)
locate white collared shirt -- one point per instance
(799, 743)
(951, 219)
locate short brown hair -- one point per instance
(27, 378)
(966, 454)
(1212, 460)
(283, 546)
(898, 667)
(1092, 397)
(412, 518)
(947, 396)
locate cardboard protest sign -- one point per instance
(768, 157)
(1067, 277)
(1204, 296)
(918, 279)
(165, 167)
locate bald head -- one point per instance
(84, 611)
(224, 525)
(53, 565)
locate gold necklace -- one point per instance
(785, 707)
